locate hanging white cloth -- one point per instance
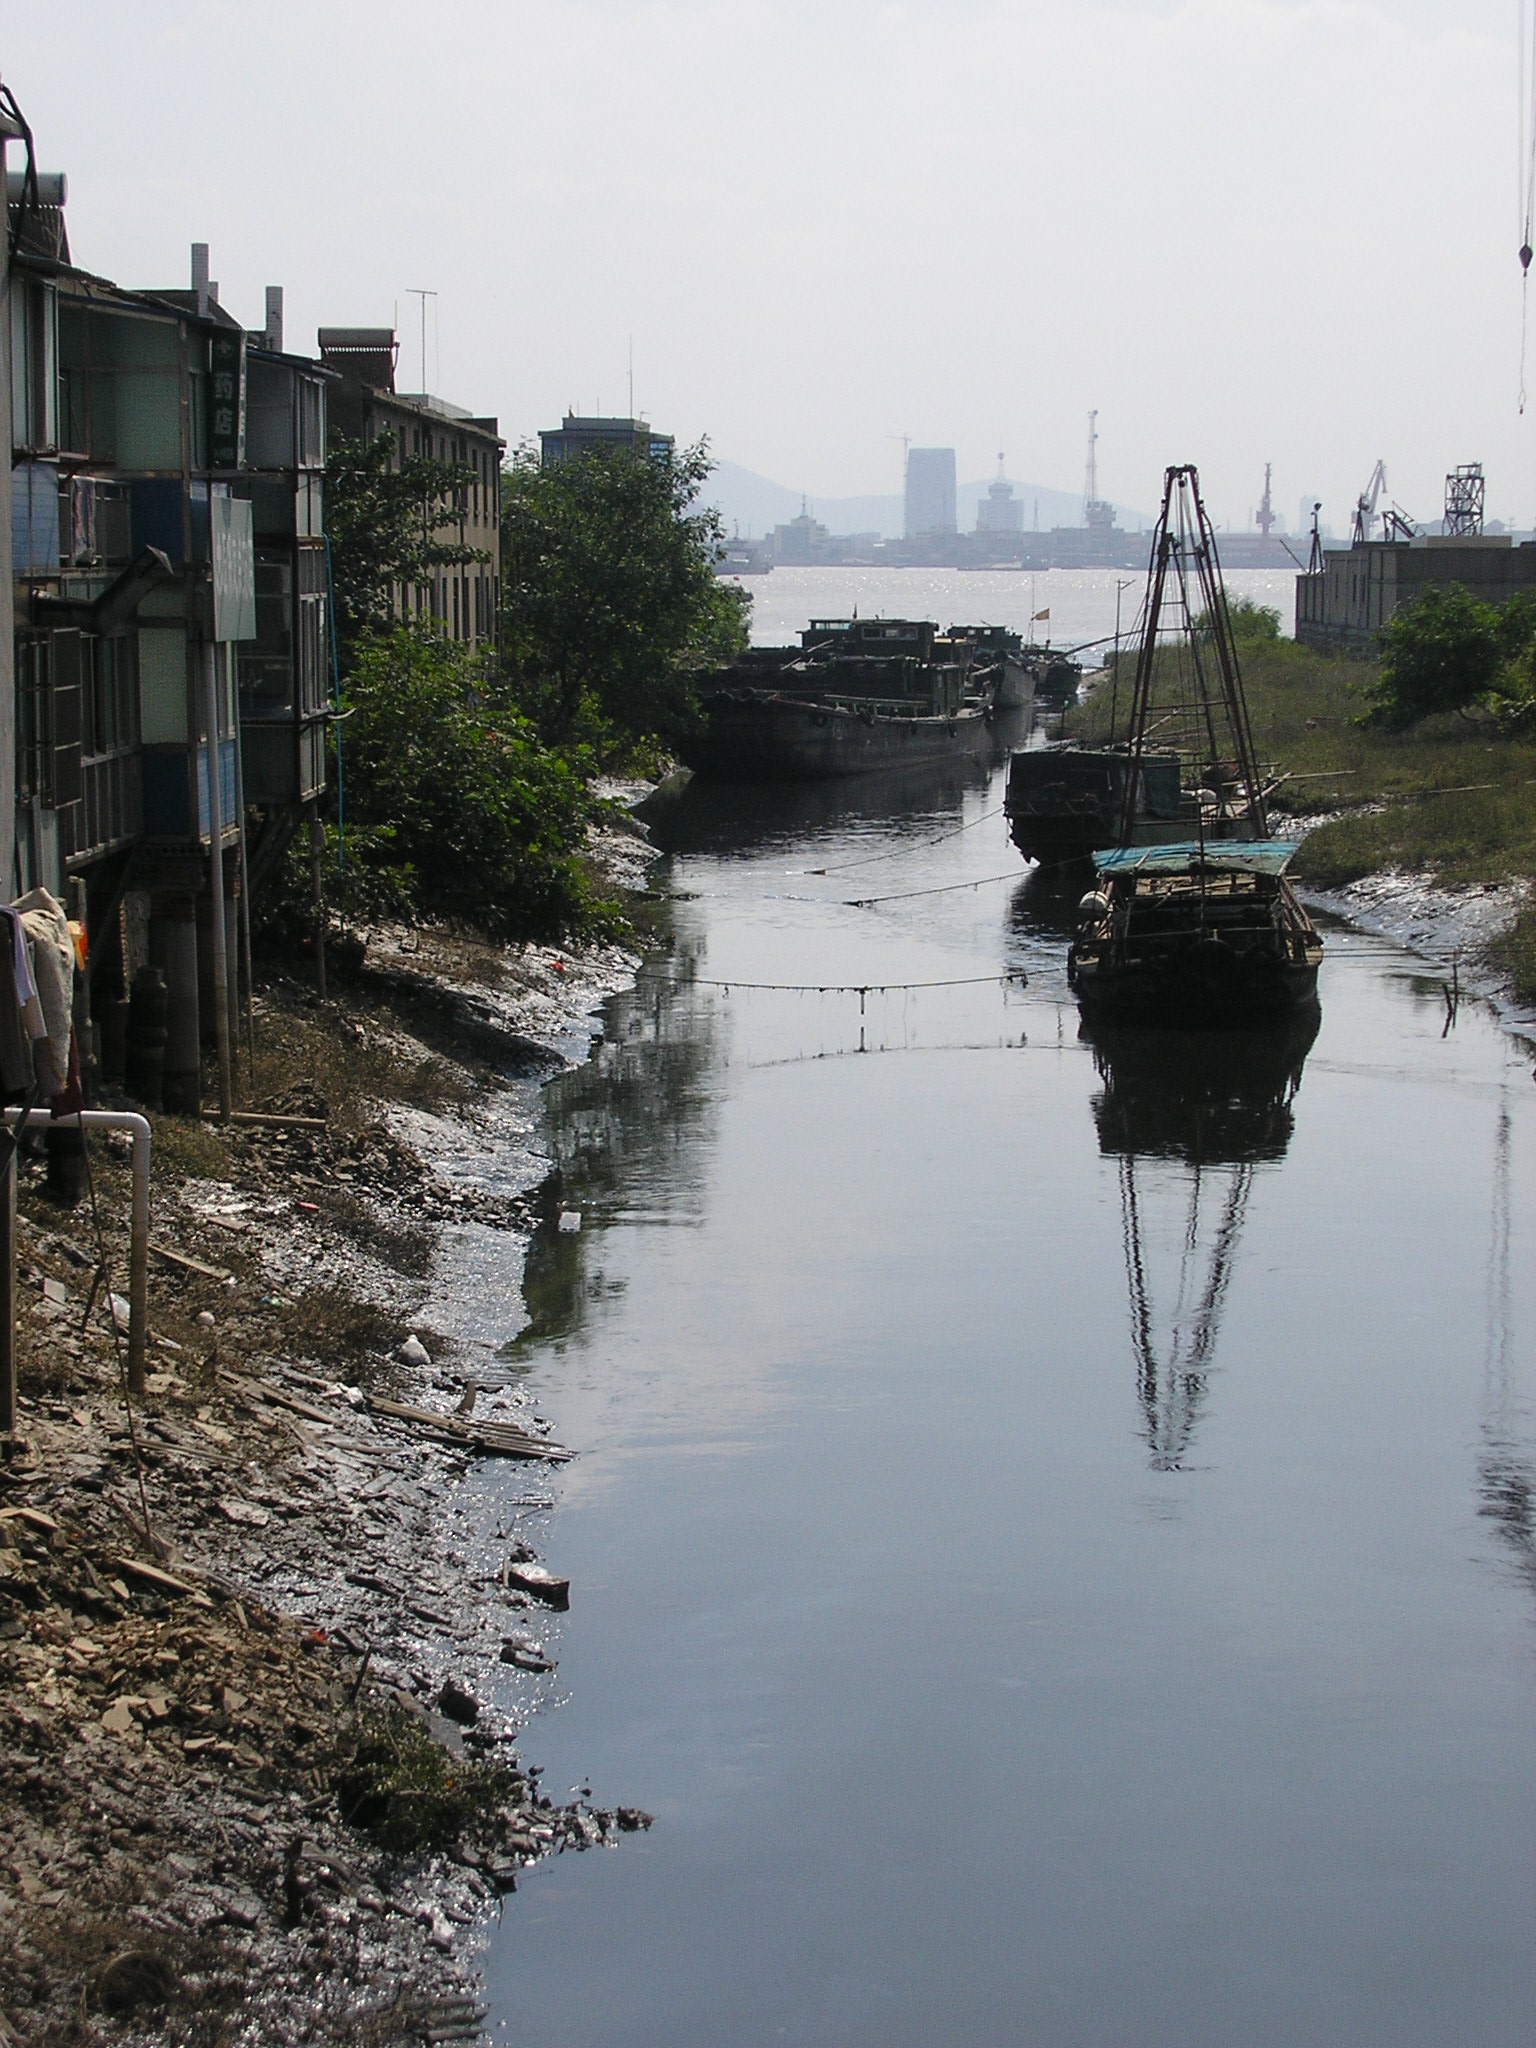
(53, 974)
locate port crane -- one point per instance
(1366, 503)
(1395, 523)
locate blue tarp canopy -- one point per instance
(1215, 856)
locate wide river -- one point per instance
(1081, 604)
(1053, 1534)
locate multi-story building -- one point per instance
(577, 435)
(462, 597)
(930, 492)
(1000, 510)
(138, 478)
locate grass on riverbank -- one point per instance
(1448, 798)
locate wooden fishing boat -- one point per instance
(1206, 927)
(1194, 931)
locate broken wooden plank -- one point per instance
(162, 1581)
(185, 1264)
(33, 1517)
(274, 1121)
(499, 1437)
(264, 1390)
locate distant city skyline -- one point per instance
(1243, 230)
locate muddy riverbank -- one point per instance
(257, 1707)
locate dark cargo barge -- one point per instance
(858, 696)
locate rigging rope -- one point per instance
(943, 889)
(913, 846)
(860, 988)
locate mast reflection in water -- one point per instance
(1190, 1116)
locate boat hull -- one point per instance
(1195, 986)
(780, 739)
(1213, 935)
(1064, 803)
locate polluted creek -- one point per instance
(1034, 1473)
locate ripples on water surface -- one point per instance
(1054, 1534)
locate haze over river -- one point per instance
(1053, 1534)
(1081, 602)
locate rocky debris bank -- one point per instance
(252, 1787)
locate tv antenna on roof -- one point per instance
(416, 292)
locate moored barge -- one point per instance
(860, 695)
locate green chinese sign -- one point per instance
(226, 401)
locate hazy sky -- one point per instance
(1245, 230)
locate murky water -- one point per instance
(1054, 1534)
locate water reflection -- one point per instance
(740, 819)
(1211, 1106)
(1506, 1470)
(628, 1132)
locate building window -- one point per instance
(111, 712)
(34, 365)
(34, 722)
(311, 422)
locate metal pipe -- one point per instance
(138, 1130)
(217, 931)
(245, 867)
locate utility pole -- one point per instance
(14, 129)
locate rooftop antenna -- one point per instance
(415, 291)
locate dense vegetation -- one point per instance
(387, 524)
(468, 774)
(1452, 795)
(455, 805)
(610, 601)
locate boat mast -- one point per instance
(1146, 656)
(1235, 703)
(1184, 531)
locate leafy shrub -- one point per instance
(462, 811)
(409, 1792)
(1446, 652)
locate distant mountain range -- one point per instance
(753, 505)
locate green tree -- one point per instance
(388, 524)
(462, 811)
(1446, 652)
(1249, 620)
(610, 601)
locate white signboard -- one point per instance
(234, 569)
